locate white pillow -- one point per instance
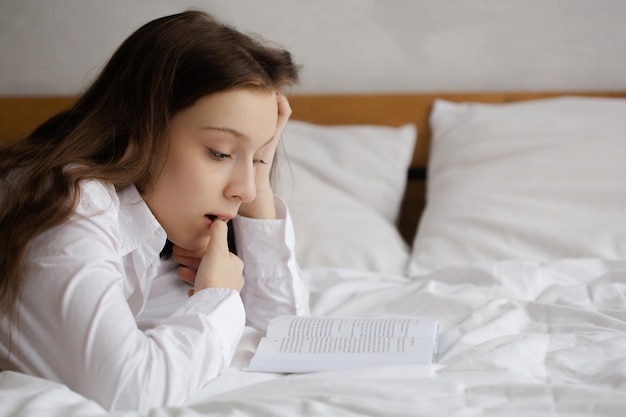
(344, 187)
(536, 180)
(368, 162)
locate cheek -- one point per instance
(190, 181)
(170, 187)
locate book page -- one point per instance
(343, 345)
(305, 344)
(295, 326)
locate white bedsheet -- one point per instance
(518, 339)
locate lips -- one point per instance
(223, 217)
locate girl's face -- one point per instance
(207, 167)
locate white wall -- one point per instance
(56, 47)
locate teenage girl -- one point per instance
(139, 182)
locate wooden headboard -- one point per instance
(19, 115)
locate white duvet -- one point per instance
(517, 339)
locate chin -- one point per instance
(193, 245)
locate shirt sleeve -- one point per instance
(75, 326)
(274, 283)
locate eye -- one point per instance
(218, 156)
(259, 161)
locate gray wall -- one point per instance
(57, 46)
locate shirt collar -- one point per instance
(138, 226)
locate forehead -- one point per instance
(252, 113)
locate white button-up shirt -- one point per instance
(89, 316)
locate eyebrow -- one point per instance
(234, 132)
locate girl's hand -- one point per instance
(263, 205)
(215, 267)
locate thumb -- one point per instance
(218, 241)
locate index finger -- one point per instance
(218, 241)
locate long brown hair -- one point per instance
(115, 128)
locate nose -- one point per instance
(242, 184)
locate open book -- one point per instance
(308, 344)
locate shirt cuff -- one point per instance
(273, 238)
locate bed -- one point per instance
(502, 215)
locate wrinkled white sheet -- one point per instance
(518, 339)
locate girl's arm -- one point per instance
(274, 283)
(265, 241)
(76, 316)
